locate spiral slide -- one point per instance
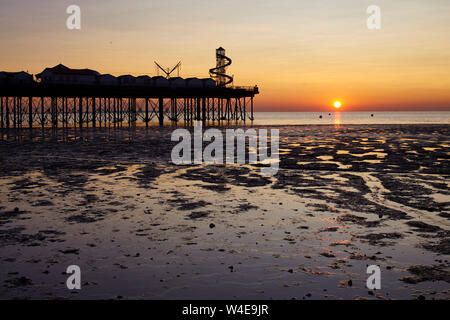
(219, 71)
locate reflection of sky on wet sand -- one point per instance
(150, 249)
(314, 218)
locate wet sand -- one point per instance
(140, 227)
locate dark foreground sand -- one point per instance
(140, 227)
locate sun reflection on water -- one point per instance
(337, 119)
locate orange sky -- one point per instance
(303, 55)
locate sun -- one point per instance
(337, 104)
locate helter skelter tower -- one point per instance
(219, 72)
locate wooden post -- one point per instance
(55, 112)
(121, 112)
(64, 106)
(192, 110)
(161, 111)
(42, 114)
(87, 112)
(146, 112)
(129, 112)
(208, 109)
(245, 111)
(176, 109)
(2, 124)
(63, 111)
(18, 106)
(105, 112)
(93, 112)
(134, 111)
(114, 112)
(99, 112)
(7, 112)
(204, 110)
(52, 111)
(52, 107)
(14, 112)
(187, 109)
(251, 108)
(74, 112)
(109, 113)
(198, 109)
(30, 112)
(66, 112)
(80, 112)
(20, 111)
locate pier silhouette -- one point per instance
(80, 98)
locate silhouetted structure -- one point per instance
(219, 72)
(169, 71)
(66, 97)
(15, 77)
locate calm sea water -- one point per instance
(400, 117)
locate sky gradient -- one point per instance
(303, 55)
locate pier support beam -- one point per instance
(93, 112)
(7, 112)
(74, 110)
(109, 113)
(53, 109)
(203, 110)
(114, 112)
(161, 111)
(42, 114)
(30, 112)
(146, 112)
(120, 112)
(198, 109)
(2, 124)
(217, 107)
(129, 112)
(14, 113)
(80, 112)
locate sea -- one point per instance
(391, 117)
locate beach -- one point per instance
(138, 226)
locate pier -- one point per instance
(80, 98)
(35, 104)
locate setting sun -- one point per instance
(337, 104)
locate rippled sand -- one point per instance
(140, 227)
